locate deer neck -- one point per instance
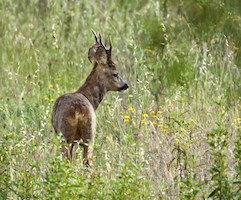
(93, 89)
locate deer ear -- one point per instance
(91, 53)
(101, 55)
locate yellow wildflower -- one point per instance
(130, 109)
(239, 127)
(153, 112)
(51, 100)
(142, 121)
(153, 116)
(180, 18)
(127, 117)
(145, 115)
(160, 112)
(239, 118)
(51, 86)
(148, 50)
(126, 120)
(121, 113)
(169, 105)
(236, 18)
(234, 46)
(46, 99)
(162, 128)
(191, 120)
(58, 78)
(154, 123)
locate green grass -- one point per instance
(181, 136)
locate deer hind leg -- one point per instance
(66, 151)
(88, 154)
(88, 135)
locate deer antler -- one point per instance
(100, 39)
(96, 39)
(105, 42)
(101, 42)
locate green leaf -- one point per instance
(213, 193)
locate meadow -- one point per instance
(174, 134)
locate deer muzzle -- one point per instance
(125, 87)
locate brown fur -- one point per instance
(73, 114)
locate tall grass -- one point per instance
(174, 134)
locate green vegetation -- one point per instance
(174, 134)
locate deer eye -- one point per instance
(115, 75)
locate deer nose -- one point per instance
(124, 87)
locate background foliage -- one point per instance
(175, 134)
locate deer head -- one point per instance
(107, 72)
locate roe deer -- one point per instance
(73, 114)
